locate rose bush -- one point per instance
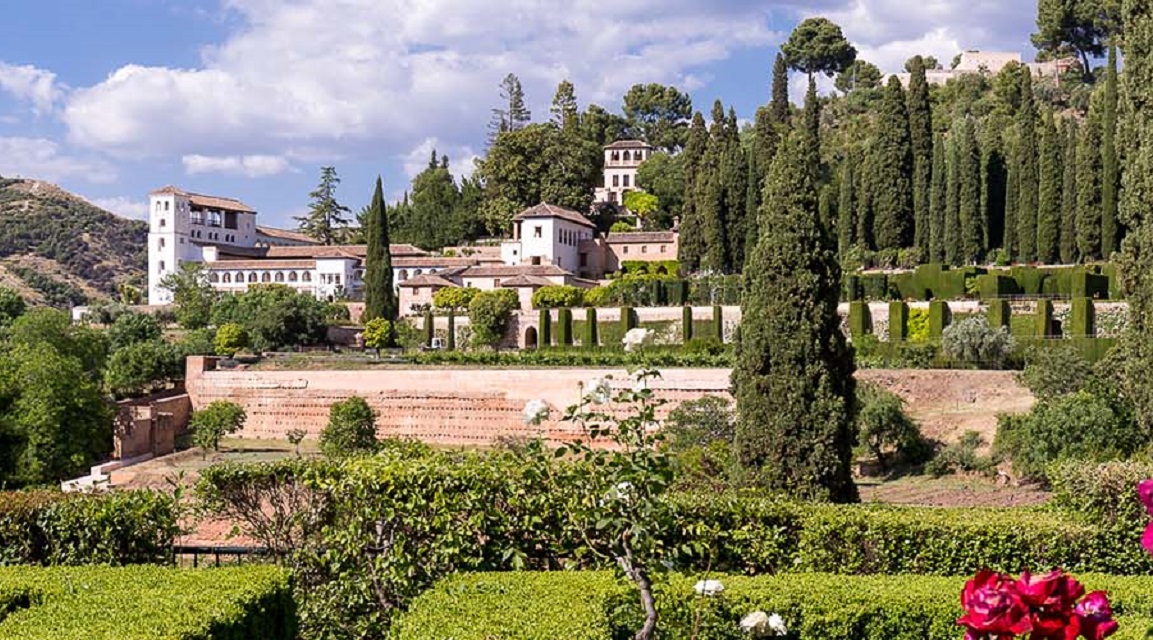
(1038, 607)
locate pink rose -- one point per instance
(993, 606)
(1145, 492)
(1096, 616)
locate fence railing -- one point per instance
(195, 556)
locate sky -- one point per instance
(249, 98)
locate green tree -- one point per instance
(1110, 172)
(734, 178)
(1012, 191)
(131, 327)
(326, 217)
(846, 206)
(600, 127)
(969, 220)
(143, 367)
(812, 122)
(12, 306)
(865, 194)
(691, 248)
(937, 202)
(377, 333)
(513, 113)
(921, 139)
(379, 296)
(885, 429)
(1089, 191)
(573, 168)
(1137, 184)
(860, 75)
(663, 176)
(793, 378)
(1080, 26)
(641, 203)
(1049, 201)
(351, 429)
(433, 217)
(454, 298)
(489, 314)
(659, 115)
(220, 418)
(1069, 195)
(951, 235)
(1027, 172)
(192, 295)
(230, 339)
(53, 327)
(893, 194)
(993, 181)
(275, 316)
(779, 107)
(817, 45)
(565, 110)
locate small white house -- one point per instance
(547, 234)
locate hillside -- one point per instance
(58, 249)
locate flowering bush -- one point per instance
(1044, 606)
(759, 624)
(535, 411)
(1145, 492)
(636, 338)
(708, 587)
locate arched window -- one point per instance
(214, 277)
(252, 276)
(226, 278)
(626, 156)
(306, 276)
(416, 273)
(403, 275)
(616, 156)
(292, 277)
(265, 277)
(280, 276)
(239, 277)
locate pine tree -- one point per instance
(1027, 173)
(379, 295)
(847, 205)
(952, 236)
(691, 248)
(432, 222)
(921, 137)
(1089, 191)
(565, 111)
(793, 379)
(893, 185)
(326, 216)
(1137, 259)
(937, 202)
(1110, 176)
(513, 114)
(969, 225)
(710, 196)
(779, 107)
(1069, 196)
(1049, 199)
(1012, 191)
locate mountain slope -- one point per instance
(59, 249)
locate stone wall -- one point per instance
(474, 406)
(150, 425)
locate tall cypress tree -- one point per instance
(379, 295)
(812, 115)
(1012, 189)
(710, 196)
(864, 191)
(1137, 177)
(847, 205)
(793, 378)
(969, 225)
(1110, 174)
(766, 136)
(752, 201)
(893, 185)
(937, 202)
(691, 247)
(1049, 199)
(1069, 195)
(921, 137)
(779, 107)
(734, 173)
(951, 238)
(1027, 173)
(993, 182)
(1089, 191)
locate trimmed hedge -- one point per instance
(564, 327)
(939, 317)
(1044, 320)
(898, 321)
(860, 320)
(580, 605)
(1000, 314)
(686, 324)
(591, 335)
(940, 282)
(1083, 318)
(544, 329)
(145, 602)
(114, 528)
(718, 324)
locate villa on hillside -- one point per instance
(550, 245)
(991, 63)
(622, 159)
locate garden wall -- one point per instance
(474, 406)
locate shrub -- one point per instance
(143, 367)
(973, 341)
(1076, 426)
(11, 305)
(918, 325)
(620, 226)
(108, 603)
(557, 296)
(336, 313)
(377, 333)
(351, 428)
(131, 328)
(1054, 371)
(700, 422)
(274, 316)
(218, 419)
(230, 338)
(489, 313)
(884, 427)
(197, 342)
(962, 456)
(454, 297)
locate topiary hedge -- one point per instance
(144, 602)
(542, 606)
(114, 528)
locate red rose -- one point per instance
(1053, 592)
(994, 607)
(1096, 616)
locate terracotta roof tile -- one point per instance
(207, 201)
(428, 280)
(500, 271)
(553, 211)
(285, 234)
(526, 281)
(229, 265)
(629, 144)
(632, 237)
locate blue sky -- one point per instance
(248, 98)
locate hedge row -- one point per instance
(660, 291)
(542, 606)
(146, 602)
(114, 528)
(935, 281)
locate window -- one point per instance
(616, 155)
(306, 276)
(161, 266)
(537, 231)
(158, 205)
(226, 278)
(626, 180)
(181, 239)
(265, 277)
(292, 277)
(495, 283)
(663, 247)
(163, 223)
(625, 250)
(584, 260)
(416, 291)
(626, 156)
(644, 248)
(280, 276)
(162, 243)
(616, 180)
(166, 205)
(338, 278)
(213, 277)
(403, 275)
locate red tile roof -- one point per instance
(285, 234)
(206, 201)
(631, 237)
(428, 280)
(553, 211)
(629, 144)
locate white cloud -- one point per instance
(461, 159)
(255, 166)
(43, 159)
(351, 76)
(123, 207)
(32, 85)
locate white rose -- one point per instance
(535, 411)
(777, 625)
(597, 390)
(709, 587)
(755, 624)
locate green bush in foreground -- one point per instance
(540, 606)
(146, 602)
